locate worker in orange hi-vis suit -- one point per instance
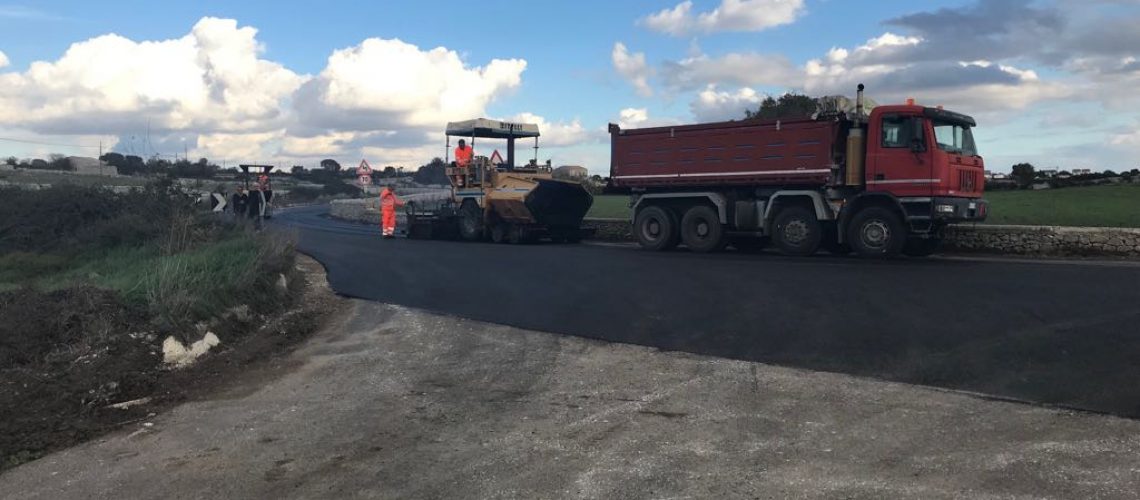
(388, 203)
(463, 155)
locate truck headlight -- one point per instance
(944, 209)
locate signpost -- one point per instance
(221, 205)
(365, 180)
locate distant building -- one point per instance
(1052, 172)
(90, 166)
(1082, 171)
(571, 172)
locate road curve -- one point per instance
(1066, 334)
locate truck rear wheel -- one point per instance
(796, 231)
(701, 230)
(876, 232)
(656, 228)
(470, 221)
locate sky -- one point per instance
(1051, 82)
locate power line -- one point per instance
(26, 141)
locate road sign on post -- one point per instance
(220, 206)
(365, 180)
(364, 168)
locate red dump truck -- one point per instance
(878, 183)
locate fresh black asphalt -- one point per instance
(1066, 334)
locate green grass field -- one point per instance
(1100, 206)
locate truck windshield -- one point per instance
(955, 138)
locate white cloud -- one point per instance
(559, 134)
(1126, 139)
(979, 86)
(737, 68)
(640, 118)
(716, 105)
(730, 15)
(390, 84)
(244, 146)
(211, 79)
(633, 117)
(633, 68)
(212, 91)
(3, 59)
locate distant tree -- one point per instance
(1109, 173)
(330, 164)
(790, 105)
(297, 170)
(389, 171)
(1134, 172)
(12, 161)
(1064, 173)
(58, 162)
(114, 159)
(132, 165)
(434, 172)
(39, 164)
(1024, 174)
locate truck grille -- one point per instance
(967, 181)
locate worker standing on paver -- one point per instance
(388, 203)
(463, 155)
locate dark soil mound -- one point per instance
(68, 354)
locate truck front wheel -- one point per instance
(796, 231)
(701, 230)
(656, 228)
(876, 232)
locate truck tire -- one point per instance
(921, 247)
(796, 231)
(876, 232)
(701, 230)
(470, 221)
(656, 229)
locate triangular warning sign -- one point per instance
(364, 168)
(496, 158)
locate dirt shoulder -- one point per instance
(393, 402)
(100, 383)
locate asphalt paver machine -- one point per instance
(494, 199)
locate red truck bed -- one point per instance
(741, 152)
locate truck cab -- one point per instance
(926, 159)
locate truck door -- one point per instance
(900, 160)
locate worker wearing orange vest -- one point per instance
(388, 203)
(463, 155)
